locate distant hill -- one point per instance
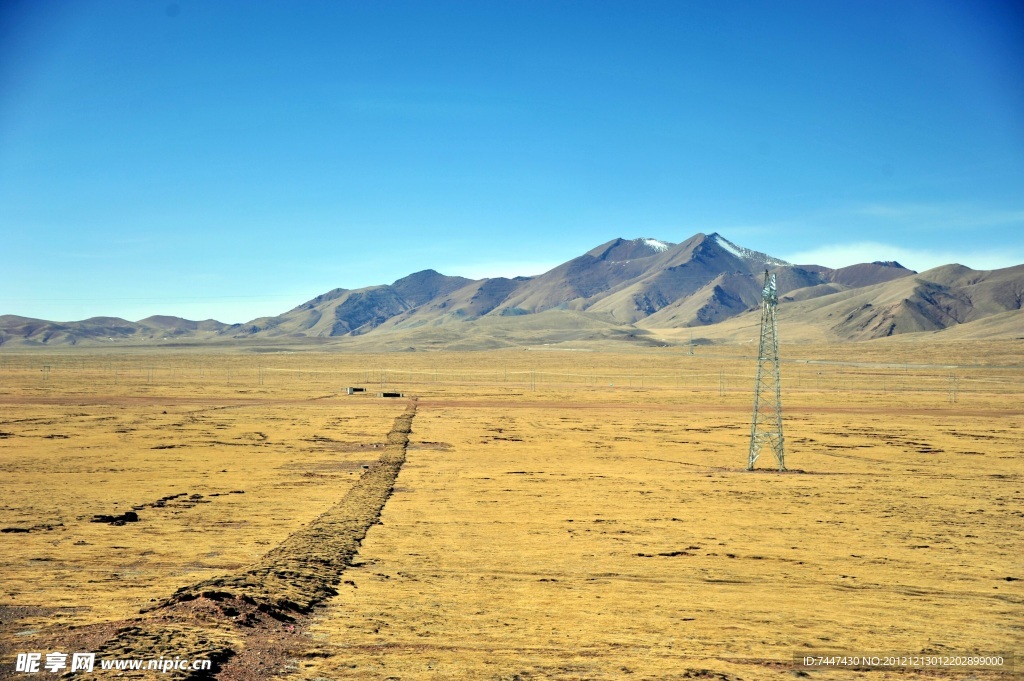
(26, 331)
(636, 290)
(941, 298)
(953, 300)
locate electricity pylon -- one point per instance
(766, 427)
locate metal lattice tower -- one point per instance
(766, 426)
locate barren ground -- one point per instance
(566, 515)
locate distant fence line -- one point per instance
(714, 374)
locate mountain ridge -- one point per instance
(635, 289)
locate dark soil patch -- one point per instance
(126, 517)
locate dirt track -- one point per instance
(245, 623)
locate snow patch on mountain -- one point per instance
(658, 246)
(746, 253)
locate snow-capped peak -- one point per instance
(745, 253)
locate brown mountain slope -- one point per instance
(934, 300)
(733, 293)
(478, 298)
(646, 282)
(352, 312)
(866, 274)
(578, 282)
(547, 328)
(950, 300)
(679, 273)
(727, 295)
(421, 287)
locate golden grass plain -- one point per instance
(561, 514)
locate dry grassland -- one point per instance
(567, 515)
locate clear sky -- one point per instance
(234, 159)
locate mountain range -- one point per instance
(637, 290)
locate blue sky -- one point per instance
(234, 159)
